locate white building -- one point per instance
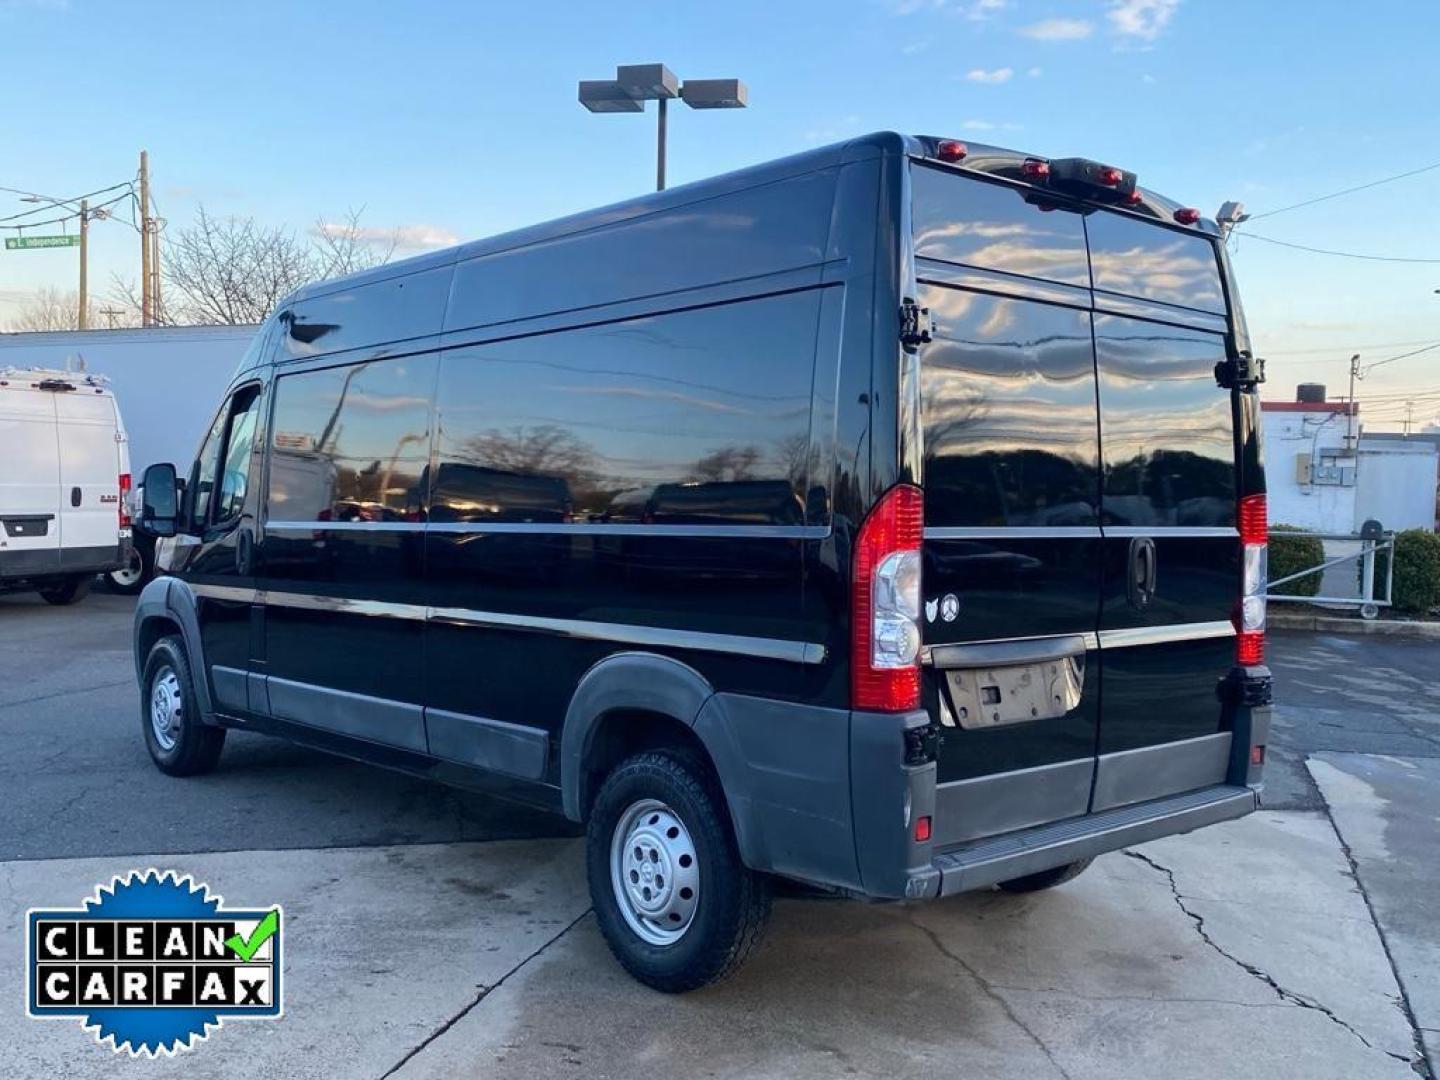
(1324, 475)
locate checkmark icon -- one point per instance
(245, 948)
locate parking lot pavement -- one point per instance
(1240, 951)
(73, 756)
(433, 933)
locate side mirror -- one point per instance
(160, 502)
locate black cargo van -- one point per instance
(889, 518)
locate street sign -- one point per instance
(20, 243)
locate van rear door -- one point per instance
(1170, 568)
(29, 481)
(1012, 551)
(90, 467)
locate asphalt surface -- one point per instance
(436, 933)
(81, 782)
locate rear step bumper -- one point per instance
(987, 862)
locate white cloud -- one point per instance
(981, 10)
(1059, 29)
(1147, 79)
(915, 47)
(1143, 19)
(417, 237)
(978, 125)
(999, 75)
(1035, 72)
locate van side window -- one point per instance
(1008, 404)
(697, 417)
(352, 443)
(1140, 259)
(202, 477)
(995, 227)
(235, 461)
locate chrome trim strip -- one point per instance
(345, 526)
(224, 592)
(796, 652)
(1152, 772)
(927, 652)
(989, 654)
(343, 605)
(1229, 532)
(1130, 636)
(717, 532)
(983, 532)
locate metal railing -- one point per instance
(1371, 541)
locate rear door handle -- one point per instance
(75, 496)
(1143, 573)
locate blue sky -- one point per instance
(456, 120)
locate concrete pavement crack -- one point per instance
(1421, 1063)
(990, 991)
(1282, 992)
(484, 992)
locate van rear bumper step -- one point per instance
(988, 862)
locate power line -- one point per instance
(1268, 353)
(128, 184)
(1391, 359)
(1328, 251)
(1347, 191)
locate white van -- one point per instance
(64, 483)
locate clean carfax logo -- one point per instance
(151, 962)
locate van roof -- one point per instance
(994, 161)
(38, 378)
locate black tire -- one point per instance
(1046, 879)
(68, 591)
(194, 745)
(733, 902)
(140, 566)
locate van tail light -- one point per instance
(124, 500)
(885, 604)
(1250, 619)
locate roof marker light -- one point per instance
(1035, 168)
(1187, 215)
(951, 150)
(1109, 176)
(1134, 199)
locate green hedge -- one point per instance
(1417, 571)
(1290, 552)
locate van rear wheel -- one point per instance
(673, 900)
(180, 743)
(132, 577)
(67, 591)
(1046, 879)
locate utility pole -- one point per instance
(145, 299)
(156, 312)
(83, 316)
(1350, 403)
(111, 314)
(1409, 414)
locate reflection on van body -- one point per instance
(671, 518)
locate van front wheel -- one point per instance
(180, 743)
(676, 905)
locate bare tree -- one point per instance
(235, 270)
(232, 270)
(53, 309)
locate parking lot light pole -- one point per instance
(635, 84)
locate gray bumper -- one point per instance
(987, 862)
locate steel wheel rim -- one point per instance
(166, 708)
(129, 574)
(654, 872)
